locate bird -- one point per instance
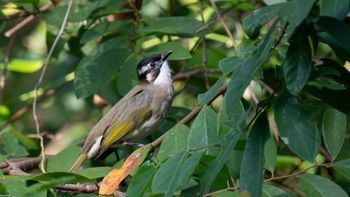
(137, 114)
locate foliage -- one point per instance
(280, 129)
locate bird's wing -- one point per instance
(124, 117)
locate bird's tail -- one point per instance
(80, 160)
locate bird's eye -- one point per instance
(152, 64)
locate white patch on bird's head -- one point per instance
(164, 76)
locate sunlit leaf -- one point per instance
(23, 65)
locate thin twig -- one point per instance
(27, 20)
(4, 71)
(37, 86)
(221, 190)
(327, 165)
(228, 32)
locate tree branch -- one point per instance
(228, 32)
(27, 20)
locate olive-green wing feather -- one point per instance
(124, 117)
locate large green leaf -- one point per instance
(212, 170)
(97, 68)
(203, 98)
(203, 130)
(343, 167)
(179, 52)
(259, 17)
(174, 142)
(272, 191)
(270, 152)
(317, 186)
(229, 64)
(334, 8)
(298, 62)
(140, 181)
(12, 145)
(174, 173)
(334, 32)
(251, 176)
(296, 11)
(64, 160)
(53, 179)
(295, 127)
(176, 25)
(245, 73)
(96, 172)
(334, 130)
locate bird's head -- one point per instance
(154, 68)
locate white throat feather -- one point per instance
(164, 76)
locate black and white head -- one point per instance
(154, 69)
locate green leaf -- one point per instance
(230, 117)
(97, 68)
(295, 127)
(127, 77)
(272, 191)
(317, 186)
(334, 8)
(140, 181)
(23, 65)
(63, 160)
(243, 75)
(174, 142)
(96, 172)
(187, 170)
(270, 152)
(212, 170)
(343, 167)
(28, 143)
(69, 177)
(179, 52)
(99, 30)
(334, 130)
(229, 64)
(12, 145)
(177, 25)
(251, 176)
(298, 62)
(259, 17)
(203, 130)
(208, 95)
(174, 173)
(334, 32)
(12, 185)
(54, 179)
(296, 11)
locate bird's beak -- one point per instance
(166, 55)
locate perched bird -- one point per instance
(137, 114)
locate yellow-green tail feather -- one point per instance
(82, 157)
